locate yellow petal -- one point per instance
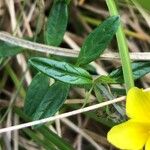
(129, 135)
(147, 147)
(138, 104)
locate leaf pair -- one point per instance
(43, 100)
(93, 46)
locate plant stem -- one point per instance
(123, 48)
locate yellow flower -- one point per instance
(133, 134)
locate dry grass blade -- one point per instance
(63, 51)
(68, 114)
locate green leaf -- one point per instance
(52, 100)
(7, 49)
(57, 23)
(35, 93)
(139, 69)
(43, 100)
(61, 71)
(98, 40)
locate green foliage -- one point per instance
(7, 49)
(36, 92)
(57, 23)
(43, 100)
(98, 40)
(139, 70)
(49, 99)
(52, 100)
(61, 71)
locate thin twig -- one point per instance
(64, 115)
(144, 56)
